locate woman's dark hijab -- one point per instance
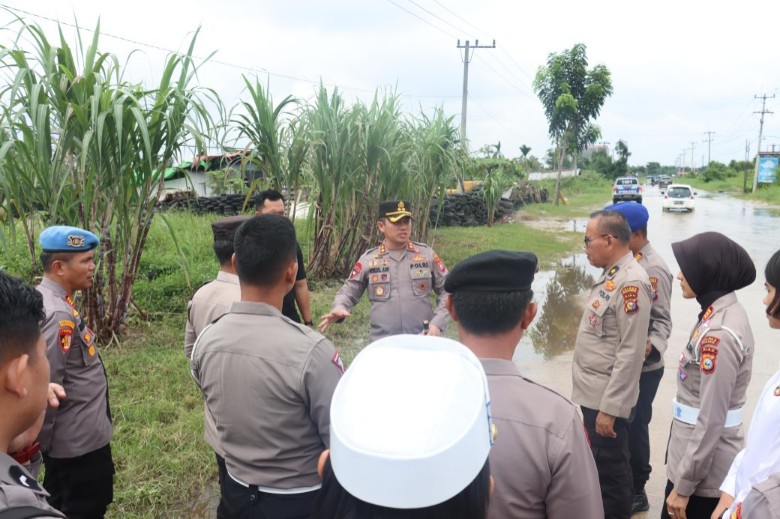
(713, 266)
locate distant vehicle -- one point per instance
(627, 189)
(664, 181)
(679, 197)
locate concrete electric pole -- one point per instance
(467, 54)
(760, 131)
(709, 142)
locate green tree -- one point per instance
(572, 96)
(653, 168)
(524, 150)
(620, 167)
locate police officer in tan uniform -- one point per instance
(24, 384)
(214, 299)
(609, 352)
(713, 374)
(541, 461)
(399, 276)
(657, 337)
(75, 439)
(267, 382)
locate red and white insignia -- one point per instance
(596, 304)
(707, 314)
(356, 270)
(630, 294)
(708, 357)
(337, 361)
(65, 339)
(440, 264)
(593, 320)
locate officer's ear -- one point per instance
(450, 307)
(321, 462)
(380, 224)
(529, 315)
(14, 374)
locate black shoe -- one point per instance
(640, 503)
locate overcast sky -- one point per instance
(679, 69)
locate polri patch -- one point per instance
(709, 355)
(630, 295)
(356, 270)
(337, 361)
(65, 339)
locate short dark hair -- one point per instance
(334, 502)
(264, 247)
(614, 224)
(21, 313)
(269, 194)
(490, 313)
(224, 250)
(772, 276)
(48, 259)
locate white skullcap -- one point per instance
(410, 422)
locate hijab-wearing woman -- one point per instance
(714, 372)
(761, 456)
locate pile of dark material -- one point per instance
(223, 204)
(470, 209)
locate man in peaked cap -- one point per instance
(399, 275)
(541, 461)
(657, 336)
(75, 438)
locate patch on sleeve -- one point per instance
(654, 284)
(737, 513)
(708, 357)
(66, 323)
(356, 270)
(630, 294)
(337, 361)
(65, 338)
(440, 264)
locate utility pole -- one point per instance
(709, 142)
(466, 59)
(693, 161)
(747, 156)
(760, 132)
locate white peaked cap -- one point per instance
(410, 422)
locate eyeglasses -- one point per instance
(588, 240)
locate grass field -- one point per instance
(163, 464)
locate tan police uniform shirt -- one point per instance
(82, 423)
(19, 488)
(611, 340)
(268, 383)
(541, 461)
(660, 311)
(763, 502)
(399, 289)
(210, 301)
(713, 374)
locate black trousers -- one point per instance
(638, 428)
(698, 507)
(240, 502)
(613, 465)
(221, 474)
(81, 487)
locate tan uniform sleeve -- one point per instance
(189, 336)
(660, 313)
(574, 490)
(630, 350)
(441, 316)
(716, 390)
(57, 358)
(352, 290)
(321, 374)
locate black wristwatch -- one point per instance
(308, 323)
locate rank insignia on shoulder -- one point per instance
(610, 285)
(708, 357)
(91, 351)
(412, 247)
(707, 314)
(630, 294)
(638, 256)
(356, 270)
(19, 477)
(613, 271)
(65, 339)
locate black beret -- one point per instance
(394, 210)
(225, 229)
(493, 271)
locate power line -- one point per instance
(459, 18)
(423, 20)
(435, 15)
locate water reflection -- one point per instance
(555, 329)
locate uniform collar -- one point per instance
(55, 287)
(616, 267)
(227, 277)
(250, 307)
(15, 474)
(718, 304)
(384, 250)
(499, 367)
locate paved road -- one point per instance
(545, 353)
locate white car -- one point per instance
(679, 197)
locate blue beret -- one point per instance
(635, 214)
(62, 238)
(493, 271)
